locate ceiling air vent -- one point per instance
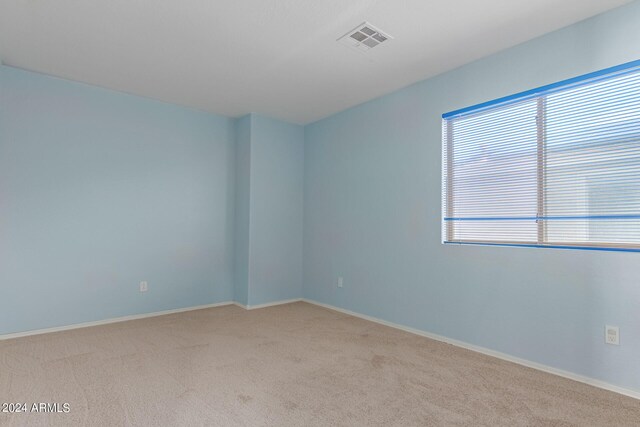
(364, 37)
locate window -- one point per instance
(558, 166)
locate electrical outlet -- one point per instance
(144, 286)
(612, 335)
(340, 282)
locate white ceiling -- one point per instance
(279, 58)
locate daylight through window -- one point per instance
(558, 166)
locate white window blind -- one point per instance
(557, 166)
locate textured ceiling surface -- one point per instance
(279, 58)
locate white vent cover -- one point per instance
(365, 37)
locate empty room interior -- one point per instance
(320, 213)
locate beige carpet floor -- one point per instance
(290, 365)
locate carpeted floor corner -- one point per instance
(290, 365)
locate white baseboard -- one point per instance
(268, 304)
(138, 316)
(108, 321)
(562, 373)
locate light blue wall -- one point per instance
(100, 190)
(270, 162)
(243, 209)
(277, 163)
(372, 200)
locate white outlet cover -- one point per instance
(144, 286)
(612, 335)
(340, 282)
